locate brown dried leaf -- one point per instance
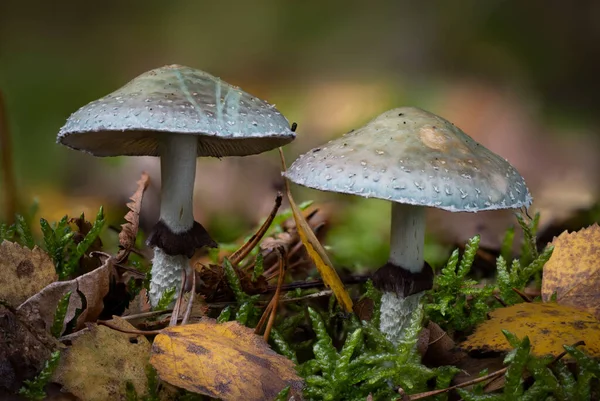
(549, 326)
(94, 286)
(100, 362)
(280, 240)
(139, 304)
(226, 361)
(573, 271)
(441, 348)
(199, 306)
(364, 309)
(23, 350)
(471, 368)
(129, 230)
(23, 272)
(89, 261)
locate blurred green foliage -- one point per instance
(58, 58)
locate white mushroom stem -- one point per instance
(407, 236)
(406, 250)
(178, 171)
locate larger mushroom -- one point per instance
(416, 160)
(177, 113)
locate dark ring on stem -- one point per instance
(392, 278)
(184, 243)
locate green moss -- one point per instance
(34, 389)
(456, 302)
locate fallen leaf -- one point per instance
(199, 306)
(549, 326)
(441, 348)
(99, 363)
(129, 230)
(23, 272)
(139, 304)
(89, 260)
(94, 286)
(280, 240)
(226, 361)
(23, 350)
(364, 309)
(316, 251)
(573, 271)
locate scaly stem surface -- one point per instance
(406, 251)
(178, 171)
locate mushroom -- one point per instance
(177, 113)
(416, 160)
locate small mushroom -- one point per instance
(416, 160)
(177, 113)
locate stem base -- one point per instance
(166, 273)
(396, 313)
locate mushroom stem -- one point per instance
(166, 273)
(405, 268)
(178, 171)
(407, 236)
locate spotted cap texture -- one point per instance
(176, 100)
(411, 156)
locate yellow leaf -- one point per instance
(23, 272)
(226, 361)
(573, 271)
(101, 361)
(316, 252)
(549, 326)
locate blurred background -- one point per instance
(519, 77)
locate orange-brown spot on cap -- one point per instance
(433, 138)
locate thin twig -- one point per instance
(355, 279)
(241, 253)
(500, 300)
(128, 331)
(269, 307)
(319, 294)
(290, 267)
(188, 310)
(264, 317)
(282, 261)
(146, 314)
(465, 384)
(562, 354)
(8, 176)
(444, 334)
(522, 295)
(175, 314)
(273, 268)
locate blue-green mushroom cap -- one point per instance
(411, 156)
(176, 100)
